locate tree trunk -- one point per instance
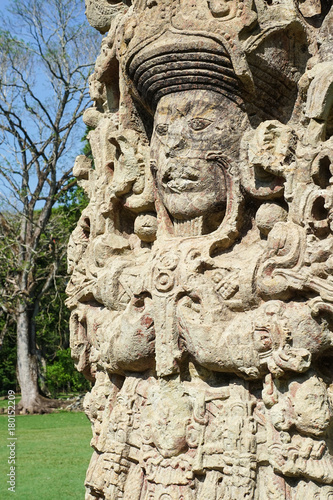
(27, 366)
(26, 362)
(42, 374)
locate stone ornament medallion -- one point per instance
(201, 284)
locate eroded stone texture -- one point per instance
(201, 271)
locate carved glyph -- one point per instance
(201, 284)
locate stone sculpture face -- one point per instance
(190, 185)
(191, 130)
(312, 407)
(202, 295)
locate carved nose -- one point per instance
(174, 146)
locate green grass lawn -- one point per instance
(4, 402)
(52, 456)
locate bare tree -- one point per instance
(47, 52)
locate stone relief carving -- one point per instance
(201, 281)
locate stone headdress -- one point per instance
(164, 47)
(181, 49)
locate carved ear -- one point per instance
(193, 435)
(283, 415)
(320, 94)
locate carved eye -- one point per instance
(161, 129)
(199, 123)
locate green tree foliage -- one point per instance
(8, 379)
(52, 329)
(62, 376)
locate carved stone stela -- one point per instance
(201, 281)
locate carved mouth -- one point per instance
(177, 182)
(181, 185)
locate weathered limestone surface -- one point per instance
(202, 271)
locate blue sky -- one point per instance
(43, 90)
